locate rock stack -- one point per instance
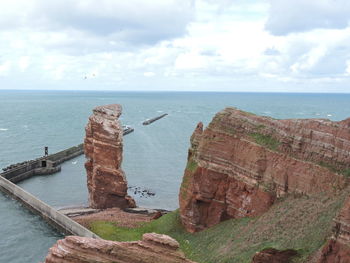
(103, 147)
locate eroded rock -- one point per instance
(241, 163)
(151, 249)
(103, 147)
(337, 249)
(271, 255)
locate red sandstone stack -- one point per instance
(151, 249)
(103, 147)
(241, 163)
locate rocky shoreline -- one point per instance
(239, 167)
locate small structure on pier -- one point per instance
(127, 129)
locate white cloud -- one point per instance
(287, 16)
(149, 74)
(23, 63)
(132, 21)
(5, 68)
(232, 45)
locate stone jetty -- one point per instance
(149, 121)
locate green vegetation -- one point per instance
(191, 165)
(300, 223)
(346, 173)
(329, 166)
(228, 129)
(334, 169)
(265, 140)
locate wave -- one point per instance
(3, 129)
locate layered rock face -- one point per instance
(103, 147)
(241, 163)
(271, 255)
(337, 249)
(151, 249)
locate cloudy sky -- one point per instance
(192, 45)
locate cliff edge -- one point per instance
(337, 248)
(241, 163)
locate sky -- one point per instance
(185, 45)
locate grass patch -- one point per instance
(329, 166)
(191, 165)
(302, 224)
(190, 169)
(334, 169)
(265, 140)
(346, 173)
(168, 224)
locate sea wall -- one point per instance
(51, 215)
(65, 155)
(21, 172)
(41, 166)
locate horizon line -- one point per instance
(183, 91)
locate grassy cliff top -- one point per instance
(299, 223)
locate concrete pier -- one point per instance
(48, 213)
(149, 121)
(42, 166)
(47, 164)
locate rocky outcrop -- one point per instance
(337, 249)
(241, 163)
(151, 249)
(271, 255)
(103, 147)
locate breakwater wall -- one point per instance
(147, 122)
(42, 166)
(51, 215)
(65, 155)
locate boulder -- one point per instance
(153, 248)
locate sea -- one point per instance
(154, 156)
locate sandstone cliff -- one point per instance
(337, 249)
(271, 255)
(103, 147)
(241, 163)
(151, 249)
